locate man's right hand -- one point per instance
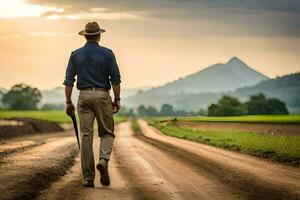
(70, 108)
(116, 106)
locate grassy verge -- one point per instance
(58, 116)
(54, 116)
(292, 119)
(119, 119)
(284, 149)
(135, 126)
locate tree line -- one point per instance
(256, 105)
(166, 110)
(24, 97)
(227, 106)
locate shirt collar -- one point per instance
(91, 43)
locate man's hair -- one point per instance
(91, 37)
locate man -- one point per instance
(97, 70)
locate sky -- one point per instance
(155, 41)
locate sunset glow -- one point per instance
(19, 8)
(167, 39)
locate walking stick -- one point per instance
(75, 128)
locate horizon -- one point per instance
(162, 39)
(176, 79)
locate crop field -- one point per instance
(58, 116)
(293, 119)
(280, 148)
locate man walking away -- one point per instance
(97, 70)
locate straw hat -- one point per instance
(91, 28)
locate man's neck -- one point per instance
(92, 41)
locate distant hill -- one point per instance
(2, 92)
(217, 78)
(286, 88)
(57, 95)
(214, 79)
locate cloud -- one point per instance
(94, 13)
(18, 9)
(292, 6)
(247, 17)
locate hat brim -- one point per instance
(83, 32)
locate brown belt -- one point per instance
(95, 88)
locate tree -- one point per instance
(151, 111)
(259, 105)
(22, 97)
(53, 106)
(142, 111)
(212, 110)
(227, 106)
(202, 112)
(278, 107)
(166, 110)
(126, 112)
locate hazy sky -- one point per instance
(155, 41)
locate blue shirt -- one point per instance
(94, 65)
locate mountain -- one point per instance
(217, 78)
(2, 92)
(285, 88)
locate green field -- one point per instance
(244, 119)
(54, 116)
(280, 148)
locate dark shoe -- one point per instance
(102, 166)
(88, 183)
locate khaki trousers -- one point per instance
(93, 104)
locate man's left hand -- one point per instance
(116, 106)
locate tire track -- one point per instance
(159, 176)
(243, 182)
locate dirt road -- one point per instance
(154, 166)
(28, 164)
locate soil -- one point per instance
(29, 164)
(154, 166)
(264, 128)
(24, 126)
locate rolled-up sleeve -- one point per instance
(114, 72)
(70, 72)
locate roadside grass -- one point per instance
(284, 149)
(48, 115)
(288, 119)
(119, 119)
(135, 126)
(58, 116)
